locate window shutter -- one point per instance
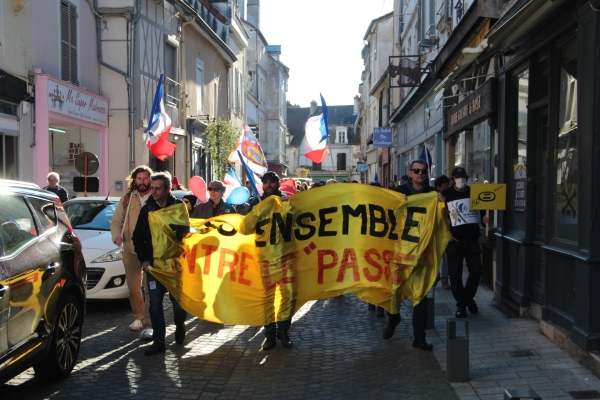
(170, 54)
(68, 33)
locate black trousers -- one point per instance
(457, 251)
(419, 319)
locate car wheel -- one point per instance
(66, 341)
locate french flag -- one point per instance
(316, 135)
(159, 127)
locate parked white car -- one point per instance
(90, 218)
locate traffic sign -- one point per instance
(488, 196)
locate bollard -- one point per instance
(457, 352)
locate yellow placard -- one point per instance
(488, 196)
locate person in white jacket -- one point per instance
(122, 226)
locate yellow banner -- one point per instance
(321, 243)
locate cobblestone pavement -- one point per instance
(338, 353)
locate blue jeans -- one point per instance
(157, 315)
(275, 327)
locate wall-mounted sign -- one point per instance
(76, 103)
(362, 167)
(476, 106)
(382, 137)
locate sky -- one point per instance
(321, 42)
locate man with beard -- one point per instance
(122, 226)
(275, 330)
(160, 186)
(417, 183)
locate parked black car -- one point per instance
(42, 284)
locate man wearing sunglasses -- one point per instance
(276, 330)
(417, 183)
(215, 204)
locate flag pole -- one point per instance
(332, 164)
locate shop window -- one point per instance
(517, 192)
(8, 157)
(341, 161)
(566, 163)
(68, 45)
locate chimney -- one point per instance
(253, 12)
(313, 107)
(356, 104)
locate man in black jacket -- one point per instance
(54, 187)
(276, 330)
(464, 243)
(160, 185)
(417, 183)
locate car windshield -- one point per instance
(94, 215)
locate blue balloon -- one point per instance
(239, 195)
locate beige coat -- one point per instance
(118, 220)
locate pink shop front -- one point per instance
(69, 120)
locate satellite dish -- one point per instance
(92, 163)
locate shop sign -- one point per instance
(488, 196)
(520, 187)
(382, 137)
(476, 106)
(76, 104)
(362, 167)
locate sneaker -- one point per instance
(445, 285)
(180, 334)
(147, 333)
(155, 348)
(137, 325)
(472, 307)
(461, 312)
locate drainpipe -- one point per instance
(128, 77)
(134, 21)
(184, 96)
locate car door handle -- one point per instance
(2, 290)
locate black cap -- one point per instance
(459, 172)
(271, 176)
(405, 177)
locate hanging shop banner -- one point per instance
(382, 137)
(319, 244)
(77, 103)
(488, 196)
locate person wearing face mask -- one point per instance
(464, 243)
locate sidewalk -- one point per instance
(499, 360)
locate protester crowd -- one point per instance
(150, 191)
